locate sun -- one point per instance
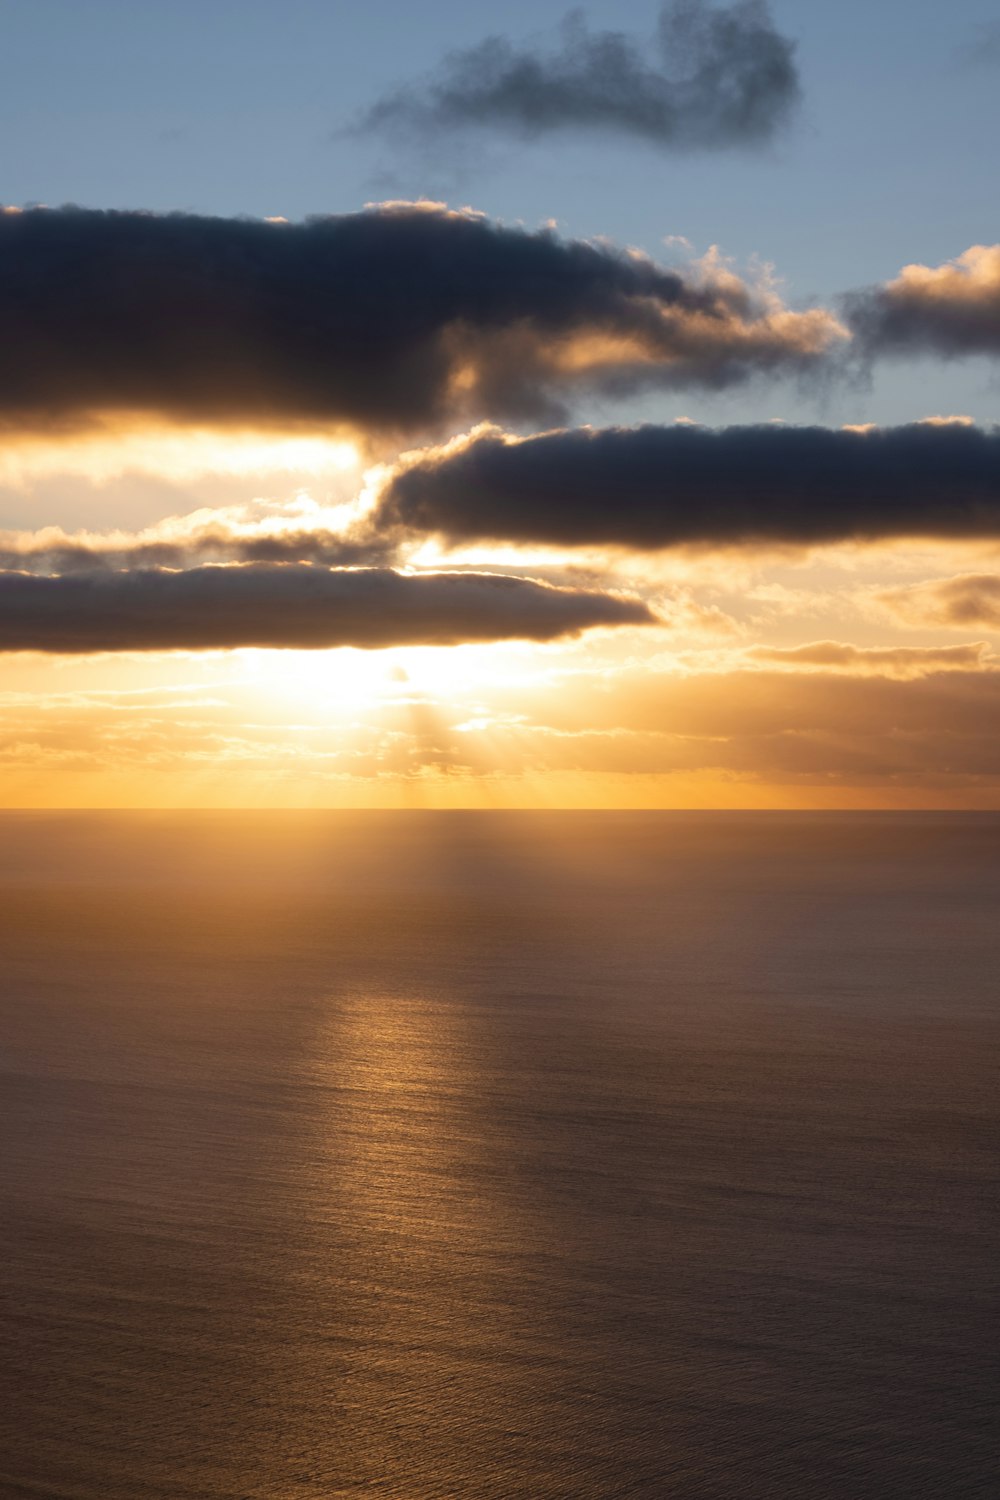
(342, 683)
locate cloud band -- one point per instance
(294, 606)
(394, 319)
(653, 487)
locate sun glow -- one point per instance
(108, 451)
(345, 682)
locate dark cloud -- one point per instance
(291, 606)
(713, 76)
(968, 600)
(652, 487)
(397, 318)
(950, 310)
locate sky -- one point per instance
(444, 406)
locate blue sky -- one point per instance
(235, 108)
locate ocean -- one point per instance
(499, 1155)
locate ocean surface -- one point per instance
(493, 1155)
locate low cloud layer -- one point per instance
(970, 600)
(760, 703)
(302, 607)
(779, 725)
(395, 319)
(951, 309)
(929, 738)
(713, 76)
(183, 542)
(654, 487)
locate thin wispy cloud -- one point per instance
(969, 600)
(905, 662)
(187, 541)
(983, 50)
(711, 77)
(818, 703)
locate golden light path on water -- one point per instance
(441, 1155)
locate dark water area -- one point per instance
(492, 1155)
